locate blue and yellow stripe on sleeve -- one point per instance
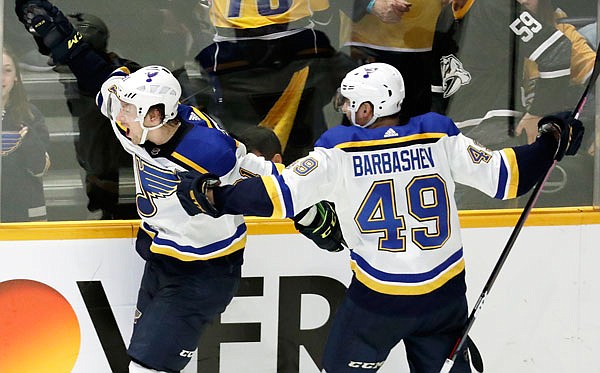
(508, 181)
(280, 196)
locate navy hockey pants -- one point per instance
(361, 340)
(173, 308)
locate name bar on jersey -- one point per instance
(395, 161)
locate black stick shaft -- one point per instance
(503, 256)
(517, 229)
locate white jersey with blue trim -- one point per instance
(201, 146)
(393, 192)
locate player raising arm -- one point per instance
(193, 263)
(392, 184)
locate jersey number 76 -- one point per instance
(263, 6)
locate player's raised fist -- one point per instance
(30, 11)
(567, 131)
(52, 31)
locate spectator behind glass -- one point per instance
(477, 72)
(25, 141)
(269, 66)
(576, 173)
(98, 151)
(405, 44)
(582, 58)
(480, 48)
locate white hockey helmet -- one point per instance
(149, 86)
(378, 83)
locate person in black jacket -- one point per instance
(98, 151)
(25, 140)
(481, 49)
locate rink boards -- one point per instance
(67, 294)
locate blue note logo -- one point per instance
(155, 183)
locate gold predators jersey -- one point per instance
(245, 14)
(414, 32)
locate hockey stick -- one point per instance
(528, 206)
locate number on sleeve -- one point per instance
(304, 166)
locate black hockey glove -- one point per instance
(52, 31)
(567, 132)
(191, 192)
(325, 230)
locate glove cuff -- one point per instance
(306, 216)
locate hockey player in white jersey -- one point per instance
(193, 263)
(392, 184)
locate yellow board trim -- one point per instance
(68, 230)
(97, 229)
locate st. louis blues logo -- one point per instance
(369, 70)
(151, 75)
(155, 183)
(454, 75)
(11, 140)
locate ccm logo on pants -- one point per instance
(186, 353)
(362, 365)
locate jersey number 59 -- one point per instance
(525, 26)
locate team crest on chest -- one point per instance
(154, 183)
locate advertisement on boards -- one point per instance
(68, 305)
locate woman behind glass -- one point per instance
(25, 140)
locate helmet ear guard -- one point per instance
(377, 83)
